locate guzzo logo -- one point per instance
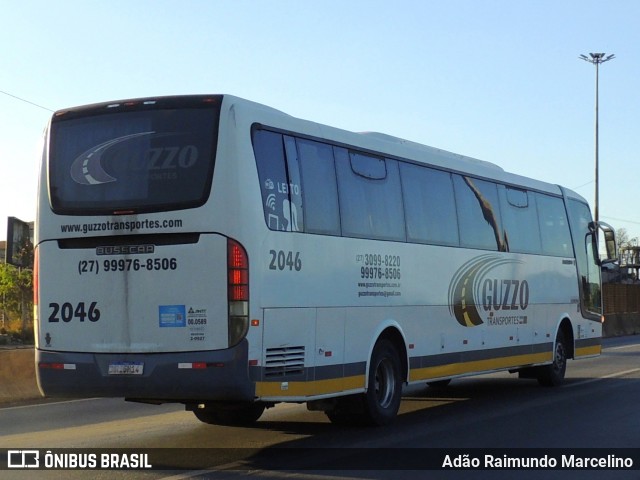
(474, 293)
(88, 169)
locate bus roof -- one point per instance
(385, 144)
(395, 147)
(373, 142)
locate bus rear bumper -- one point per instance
(158, 377)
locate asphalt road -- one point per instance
(598, 407)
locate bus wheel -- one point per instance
(553, 375)
(379, 405)
(384, 392)
(231, 414)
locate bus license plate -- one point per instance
(126, 368)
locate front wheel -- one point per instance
(553, 375)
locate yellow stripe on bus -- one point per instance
(460, 368)
(589, 351)
(336, 385)
(306, 389)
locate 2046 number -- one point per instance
(281, 260)
(67, 312)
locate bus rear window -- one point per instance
(132, 161)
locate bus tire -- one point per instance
(553, 375)
(384, 388)
(219, 413)
(379, 405)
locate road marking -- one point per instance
(48, 403)
(622, 347)
(191, 474)
(605, 377)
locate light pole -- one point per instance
(597, 59)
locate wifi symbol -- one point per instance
(271, 201)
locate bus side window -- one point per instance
(294, 187)
(520, 219)
(584, 238)
(554, 228)
(429, 205)
(319, 190)
(370, 196)
(479, 214)
(269, 152)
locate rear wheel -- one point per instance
(219, 413)
(384, 391)
(380, 404)
(553, 375)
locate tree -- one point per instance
(16, 298)
(622, 237)
(623, 240)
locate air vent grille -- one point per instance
(284, 361)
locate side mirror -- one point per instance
(611, 248)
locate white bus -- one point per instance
(211, 251)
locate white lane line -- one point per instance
(621, 347)
(2, 409)
(605, 377)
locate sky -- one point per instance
(498, 80)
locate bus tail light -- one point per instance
(36, 284)
(238, 291)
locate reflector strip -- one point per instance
(58, 366)
(193, 365)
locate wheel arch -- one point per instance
(393, 332)
(566, 328)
